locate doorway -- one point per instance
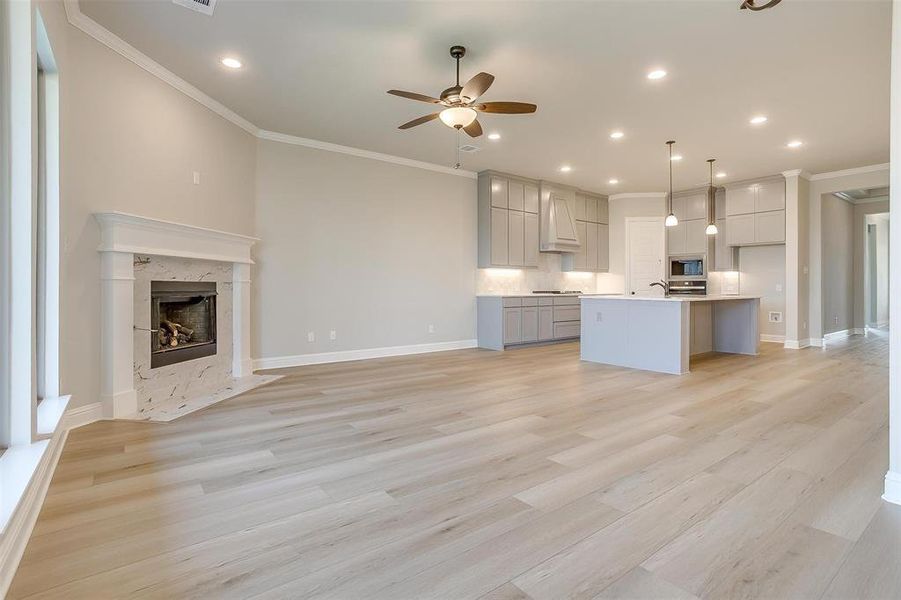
(646, 255)
(876, 273)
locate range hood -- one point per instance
(558, 219)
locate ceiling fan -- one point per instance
(460, 107)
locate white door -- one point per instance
(645, 255)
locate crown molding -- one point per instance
(86, 24)
(847, 172)
(797, 173)
(637, 195)
(294, 140)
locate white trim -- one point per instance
(117, 44)
(797, 173)
(797, 344)
(280, 362)
(21, 523)
(816, 342)
(284, 138)
(769, 337)
(846, 172)
(123, 232)
(636, 195)
(892, 487)
(82, 415)
(834, 335)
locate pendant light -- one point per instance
(671, 220)
(711, 202)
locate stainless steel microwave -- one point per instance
(687, 267)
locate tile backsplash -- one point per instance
(547, 276)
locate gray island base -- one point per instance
(661, 334)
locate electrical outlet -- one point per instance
(311, 337)
(600, 317)
(196, 177)
(333, 335)
(775, 316)
(835, 319)
(431, 328)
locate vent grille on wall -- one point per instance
(469, 148)
(202, 6)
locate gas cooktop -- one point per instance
(557, 291)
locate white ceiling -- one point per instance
(818, 69)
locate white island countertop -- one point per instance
(710, 298)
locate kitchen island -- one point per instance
(662, 333)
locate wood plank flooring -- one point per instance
(475, 474)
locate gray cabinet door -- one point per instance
(695, 238)
(499, 255)
(516, 235)
(580, 207)
(770, 196)
(741, 200)
(530, 198)
(512, 326)
(545, 323)
(530, 324)
(675, 238)
(531, 240)
(498, 192)
(515, 195)
(591, 209)
(603, 210)
(591, 246)
(694, 207)
(580, 257)
(770, 227)
(740, 230)
(723, 253)
(603, 247)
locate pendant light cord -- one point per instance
(670, 144)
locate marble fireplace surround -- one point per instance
(127, 240)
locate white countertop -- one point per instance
(710, 298)
(531, 295)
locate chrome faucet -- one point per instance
(664, 285)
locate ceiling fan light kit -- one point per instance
(460, 109)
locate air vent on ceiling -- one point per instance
(202, 6)
(469, 148)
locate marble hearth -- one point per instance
(136, 251)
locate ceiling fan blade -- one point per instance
(477, 86)
(414, 96)
(419, 121)
(474, 129)
(506, 108)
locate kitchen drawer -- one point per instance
(512, 302)
(567, 313)
(569, 329)
(566, 301)
(545, 301)
(529, 301)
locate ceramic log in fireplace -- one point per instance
(183, 320)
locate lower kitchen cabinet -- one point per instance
(512, 320)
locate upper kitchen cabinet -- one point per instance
(557, 210)
(508, 221)
(689, 235)
(755, 212)
(592, 230)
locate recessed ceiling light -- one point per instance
(677, 157)
(795, 144)
(758, 120)
(232, 63)
(613, 181)
(657, 74)
(617, 135)
(720, 174)
(565, 169)
(494, 136)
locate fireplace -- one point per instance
(183, 321)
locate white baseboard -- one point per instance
(816, 342)
(858, 331)
(797, 344)
(18, 531)
(768, 337)
(280, 362)
(892, 488)
(82, 415)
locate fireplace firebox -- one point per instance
(183, 321)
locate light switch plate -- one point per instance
(333, 335)
(311, 337)
(196, 177)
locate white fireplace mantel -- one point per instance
(124, 235)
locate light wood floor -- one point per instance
(474, 474)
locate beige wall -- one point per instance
(763, 274)
(621, 207)
(130, 142)
(838, 259)
(373, 250)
